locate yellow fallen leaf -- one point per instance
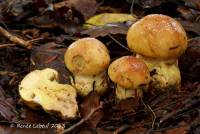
(105, 18)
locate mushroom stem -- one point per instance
(124, 93)
(86, 83)
(164, 73)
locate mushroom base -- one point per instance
(164, 73)
(124, 93)
(84, 84)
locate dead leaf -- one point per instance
(44, 21)
(124, 110)
(149, 3)
(17, 9)
(92, 101)
(139, 130)
(190, 61)
(105, 18)
(7, 109)
(85, 7)
(42, 3)
(115, 28)
(188, 13)
(51, 56)
(195, 126)
(127, 105)
(180, 130)
(192, 3)
(190, 26)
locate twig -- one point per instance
(82, 120)
(37, 39)
(6, 45)
(166, 128)
(131, 9)
(15, 39)
(118, 42)
(7, 73)
(178, 112)
(122, 129)
(154, 116)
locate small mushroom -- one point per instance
(159, 40)
(131, 76)
(40, 89)
(88, 60)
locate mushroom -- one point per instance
(40, 89)
(131, 76)
(159, 40)
(88, 60)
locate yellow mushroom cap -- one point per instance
(157, 36)
(87, 56)
(129, 72)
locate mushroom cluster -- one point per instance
(159, 40)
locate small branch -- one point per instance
(118, 42)
(179, 112)
(3, 73)
(15, 39)
(122, 129)
(154, 115)
(82, 120)
(6, 45)
(131, 9)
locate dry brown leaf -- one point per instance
(149, 3)
(190, 26)
(51, 56)
(92, 101)
(190, 61)
(97, 31)
(180, 130)
(7, 109)
(192, 3)
(85, 7)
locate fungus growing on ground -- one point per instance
(40, 89)
(159, 40)
(131, 76)
(88, 60)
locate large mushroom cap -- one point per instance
(157, 36)
(129, 72)
(87, 56)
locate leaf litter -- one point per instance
(52, 25)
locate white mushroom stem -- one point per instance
(164, 73)
(86, 83)
(124, 93)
